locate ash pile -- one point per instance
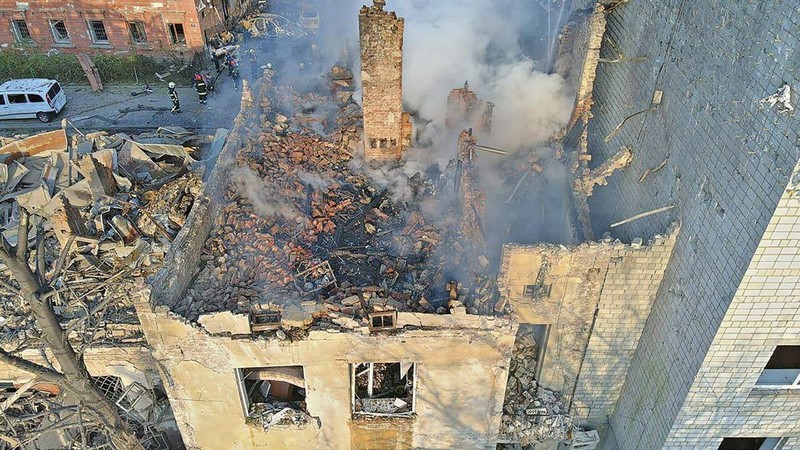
(306, 230)
(97, 209)
(531, 413)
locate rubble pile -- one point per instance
(99, 208)
(277, 413)
(320, 213)
(531, 413)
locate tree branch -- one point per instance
(22, 235)
(23, 364)
(40, 263)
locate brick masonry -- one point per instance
(155, 17)
(381, 38)
(728, 162)
(597, 292)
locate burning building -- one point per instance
(466, 110)
(387, 128)
(306, 304)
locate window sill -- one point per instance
(143, 46)
(771, 389)
(64, 45)
(103, 46)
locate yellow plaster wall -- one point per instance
(461, 378)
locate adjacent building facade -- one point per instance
(151, 28)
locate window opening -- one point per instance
(60, 33)
(136, 30)
(273, 396)
(752, 443)
(782, 369)
(176, 34)
(383, 389)
(97, 30)
(21, 32)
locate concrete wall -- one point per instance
(600, 293)
(115, 14)
(461, 376)
(130, 363)
(728, 162)
(381, 38)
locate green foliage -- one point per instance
(114, 69)
(64, 68)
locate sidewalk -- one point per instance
(115, 109)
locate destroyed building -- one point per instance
(387, 128)
(466, 110)
(341, 317)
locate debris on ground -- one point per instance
(531, 413)
(782, 98)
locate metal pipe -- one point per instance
(496, 151)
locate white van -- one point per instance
(31, 97)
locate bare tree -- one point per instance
(37, 290)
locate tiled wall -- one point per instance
(728, 162)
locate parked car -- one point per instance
(309, 19)
(27, 98)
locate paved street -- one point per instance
(115, 109)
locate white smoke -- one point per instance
(268, 199)
(449, 42)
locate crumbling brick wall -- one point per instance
(381, 37)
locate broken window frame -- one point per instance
(775, 373)
(60, 32)
(21, 32)
(356, 370)
(98, 33)
(175, 37)
(244, 395)
(137, 28)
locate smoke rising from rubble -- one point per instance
(448, 42)
(267, 200)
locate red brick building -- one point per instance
(151, 28)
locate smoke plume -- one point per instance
(268, 200)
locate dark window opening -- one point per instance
(383, 389)
(97, 30)
(783, 367)
(2, 99)
(20, 28)
(60, 33)
(383, 143)
(34, 98)
(136, 30)
(176, 34)
(373, 143)
(394, 142)
(273, 395)
(383, 320)
(751, 443)
(16, 98)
